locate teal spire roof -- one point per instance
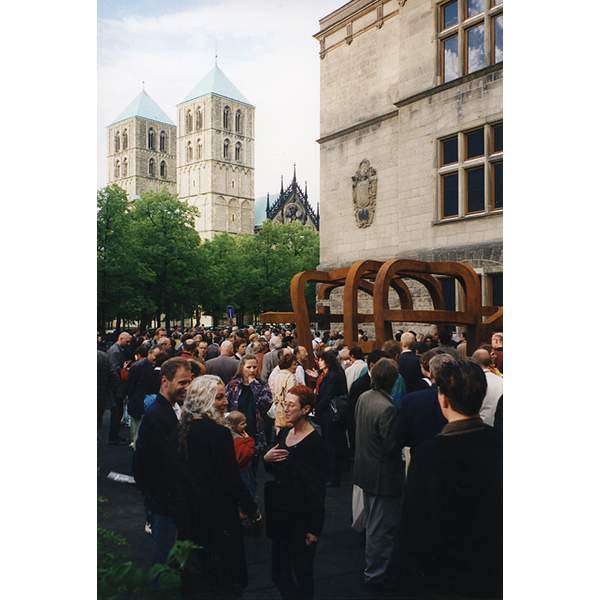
(144, 106)
(216, 82)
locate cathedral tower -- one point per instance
(141, 148)
(215, 156)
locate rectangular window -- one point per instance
(475, 7)
(475, 143)
(451, 66)
(449, 14)
(450, 150)
(475, 190)
(497, 137)
(497, 185)
(477, 25)
(450, 194)
(496, 284)
(470, 172)
(449, 293)
(475, 48)
(498, 39)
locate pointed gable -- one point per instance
(144, 106)
(216, 82)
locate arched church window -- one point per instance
(226, 149)
(125, 167)
(151, 168)
(188, 121)
(151, 141)
(238, 121)
(163, 169)
(238, 151)
(117, 142)
(198, 119)
(226, 112)
(117, 169)
(163, 141)
(188, 153)
(199, 150)
(124, 139)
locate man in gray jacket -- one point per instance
(378, 469)
(225, 365)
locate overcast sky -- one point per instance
(265, 48)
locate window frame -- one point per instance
(226, 144)
(227, 118)
(163, 171)
(124, 139)
(152, 168)
(162, 141)
(462, 166)
(460, 29)
(124, 167)
(151, 139)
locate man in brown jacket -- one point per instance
(378, 469)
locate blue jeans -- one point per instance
(164, 534)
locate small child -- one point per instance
(244, 448)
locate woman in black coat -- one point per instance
(211, 495)
(331, 384)
(295, 501)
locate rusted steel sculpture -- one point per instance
(376, 278)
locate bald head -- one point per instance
(226, 348)
(482, 358)
(124, 339)
(407, 340)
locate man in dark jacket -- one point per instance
(224, 366)
(142, 380)
(420, 416)
(451, 516)
(154, 458)
(378, 469)
(118, 356)
(408, 362)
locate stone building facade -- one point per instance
(411, 135)
(141, 148)
(207, 159)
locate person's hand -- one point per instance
(276, 454)
(312, 372)
(310, 539)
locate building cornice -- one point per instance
(448, 85)
(357, 126)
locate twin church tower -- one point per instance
(207, 158)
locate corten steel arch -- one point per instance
(386, 275)
(471, 317)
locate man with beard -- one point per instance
(154, 457)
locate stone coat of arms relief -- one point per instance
(364, 193)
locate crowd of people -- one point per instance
(417, 423)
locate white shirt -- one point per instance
(354, 371)
(177, 410)
(490, 402)
(300, 378)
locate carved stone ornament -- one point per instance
(364, 193)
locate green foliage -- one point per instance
(119, 578)
(151, 261)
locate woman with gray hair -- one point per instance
(212, 494)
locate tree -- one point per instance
(114, 270)
(168, 252)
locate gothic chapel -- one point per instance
(207, 157)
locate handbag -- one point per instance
(339, 408)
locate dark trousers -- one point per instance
(292, 563)
(334, 436)
(116, 414)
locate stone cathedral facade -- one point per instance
(207, 158)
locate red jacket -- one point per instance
(244, 450)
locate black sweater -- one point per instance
(451, 515)
(300, 480)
